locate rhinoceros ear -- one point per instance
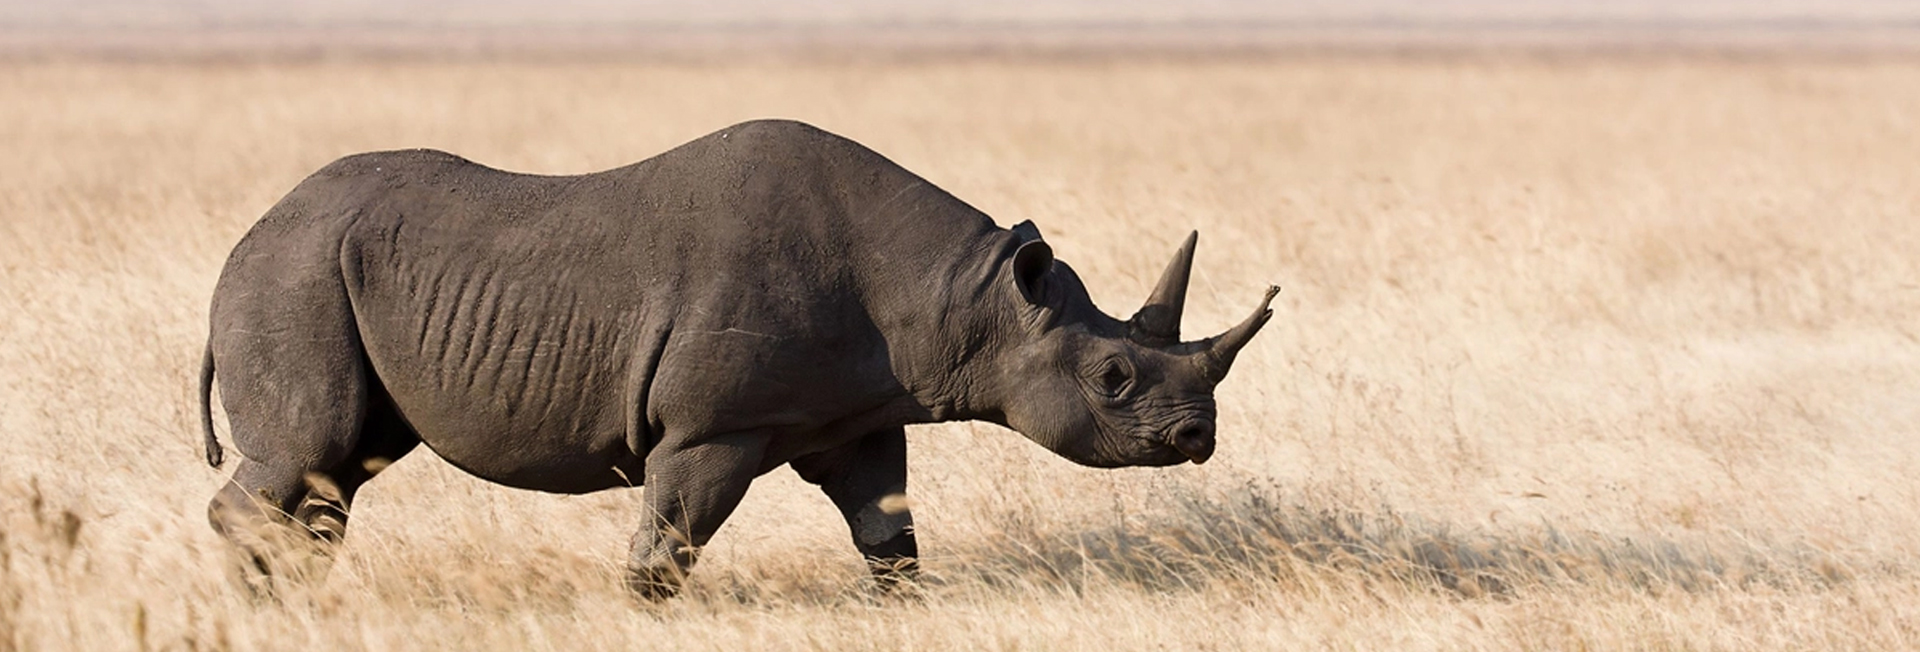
(1026, 231)
(1031, 262)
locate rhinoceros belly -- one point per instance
(506, 372)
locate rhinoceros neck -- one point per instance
(933, 291)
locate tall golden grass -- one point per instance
(1574, 353)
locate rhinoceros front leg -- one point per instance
(867, 480)
(690, 491)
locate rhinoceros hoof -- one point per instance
(654, 583)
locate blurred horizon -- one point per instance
(216, 27)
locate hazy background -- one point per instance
(309, 27)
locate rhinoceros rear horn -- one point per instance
(1158, 322)
(1219, 351)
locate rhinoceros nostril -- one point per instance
(1195, 440)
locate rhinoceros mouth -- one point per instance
(1163, 448)
(1193, 439)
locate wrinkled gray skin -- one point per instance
(768, 294)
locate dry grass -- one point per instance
(1575, 354)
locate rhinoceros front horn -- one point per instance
(1158, 322)
(1217, 353)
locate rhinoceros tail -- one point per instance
(215, 456)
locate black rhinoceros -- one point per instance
(767, 294)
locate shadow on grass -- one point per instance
(1201, 539)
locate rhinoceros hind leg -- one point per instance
(384, 439)
(304, 407)
(251, 512)
(286, 520)
(310, 434)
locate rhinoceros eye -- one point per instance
(1114, 378)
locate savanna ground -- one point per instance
(1573, 352)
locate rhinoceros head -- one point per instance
(1105, 392)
